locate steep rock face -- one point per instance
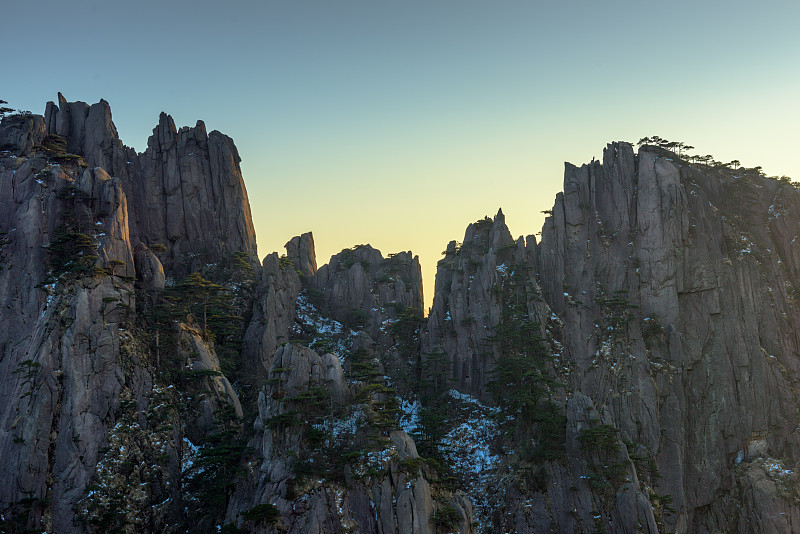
(679, 313)
(489, 309)
(149, 271)
(611, 377)
(386, 501)
(203, 360)
(58, 410)
(273, 312)
(362, 289)
(90, 132)
(20, 134)
(191, 195)
(109, 198)
(359, 290)
(329, 456)
(666, 295)
(468, 303)
(62, 378)
(185, 191)
(300, 251)
(83, 401)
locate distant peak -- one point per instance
(300, 251)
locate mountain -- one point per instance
(635, 370)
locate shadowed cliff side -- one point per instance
(661, 320)
(329, 453)
(675, 283)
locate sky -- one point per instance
(398, 123)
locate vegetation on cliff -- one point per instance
(610, 377)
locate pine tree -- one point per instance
(194, 292)
(520, 382)
(433, 413)
(4, 110)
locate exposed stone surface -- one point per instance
(191, 196)
(185, 191)
(202, 359)
(109, 198)
(360, 287)
(79, 393)
(59, 346)
(20, 134)
(467, 304)
(149, 271)
(273, 312)
(300, 251)
(709, 261)
(664, 294)
(88, 131)
(672, 295)
(393, 501)
(406, 448)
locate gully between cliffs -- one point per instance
(635, 371)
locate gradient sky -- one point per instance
(398, 123)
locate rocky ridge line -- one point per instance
(640, 334)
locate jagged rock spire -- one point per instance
(300, 251)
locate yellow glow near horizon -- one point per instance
(397, 124)
(421, 206)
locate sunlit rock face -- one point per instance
(185, 191)
(60, 343)
(84, 380)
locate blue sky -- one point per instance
(397, 123)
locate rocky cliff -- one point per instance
(145, 353)
(675, 284)
(662, 297)
(633, 371)
(85, 396)
(188, 187)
